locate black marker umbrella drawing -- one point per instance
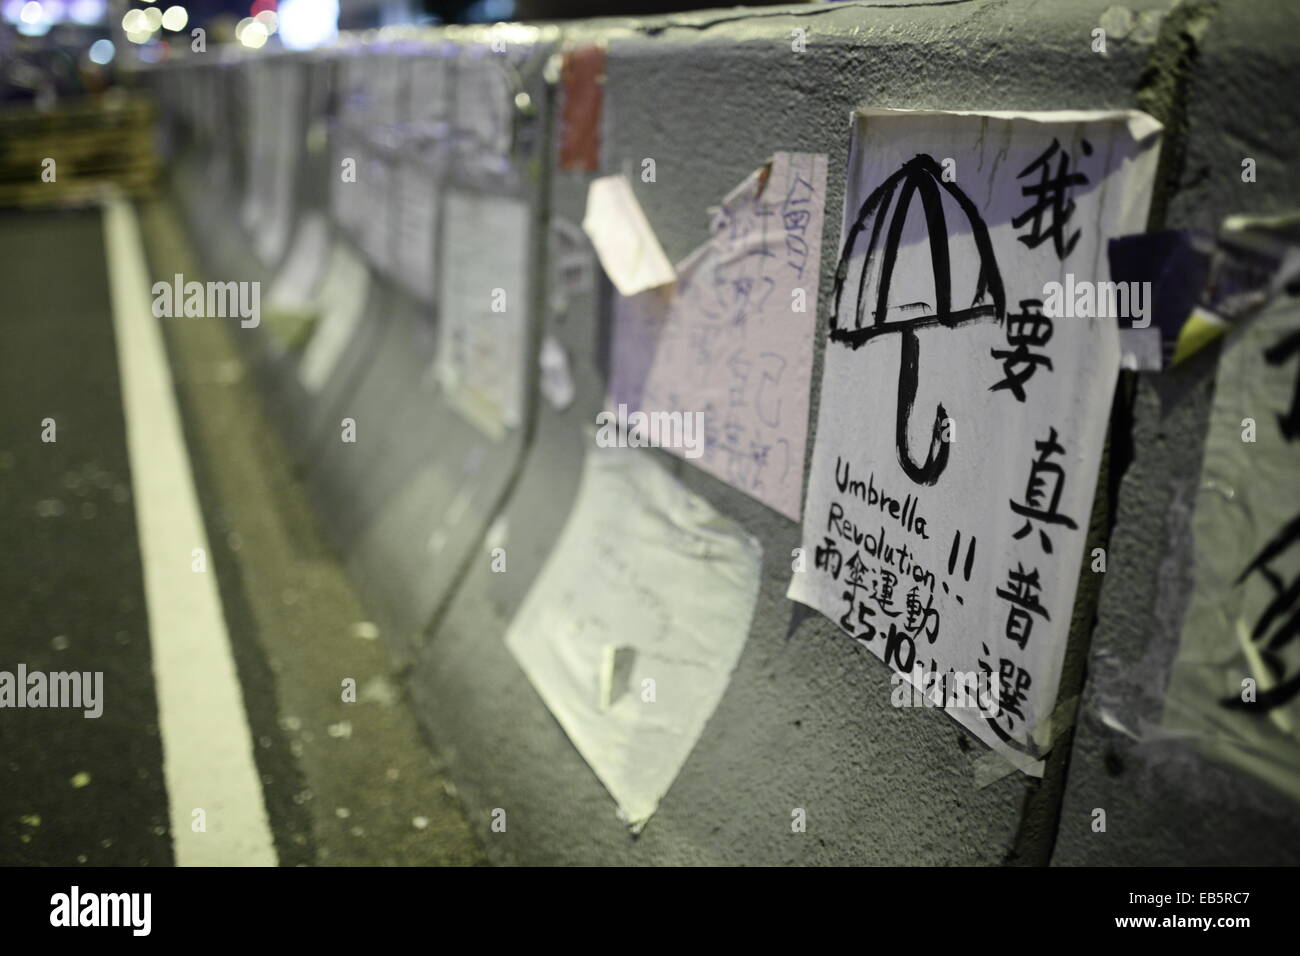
(881, 221)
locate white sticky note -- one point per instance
(483, 309)
(959, 429)
(626, 244)
(632, 629)
(734, 341)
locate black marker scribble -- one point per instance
(922, 176)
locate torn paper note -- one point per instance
(633, 628)
(1235, 683)
(960, 425)
(735, 340)
(483, 309)
(626, 244)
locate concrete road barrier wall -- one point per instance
(417, 501)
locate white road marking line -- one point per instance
(207, 747)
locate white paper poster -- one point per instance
(735, 340)
(633, 628)
(962, 416)
(376, 222)
(484, 104)
(1235, 685)
(417, 229)
(430, 90)
(483, 308)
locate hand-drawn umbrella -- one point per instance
(880, 224)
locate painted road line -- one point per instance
(207, 747)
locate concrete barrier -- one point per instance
(806, 721)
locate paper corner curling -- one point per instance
(626, 244)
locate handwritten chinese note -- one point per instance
(633, 628)
(961, 424)
(735, 340)
(1235, 684)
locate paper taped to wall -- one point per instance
(417, 229)
(582, 81)
(483, 309)
(1234, 687)
(961, 425)
(627, 246)
(633, 628)
(734, 342)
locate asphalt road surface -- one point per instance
(224, 736)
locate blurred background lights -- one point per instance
(101, 51)
(35, 13)
(34, 20)
(133, 21)
(307, 23)
(153, 18)
(269, 20)
(88, 11)
(175, 18)
(253, 35)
